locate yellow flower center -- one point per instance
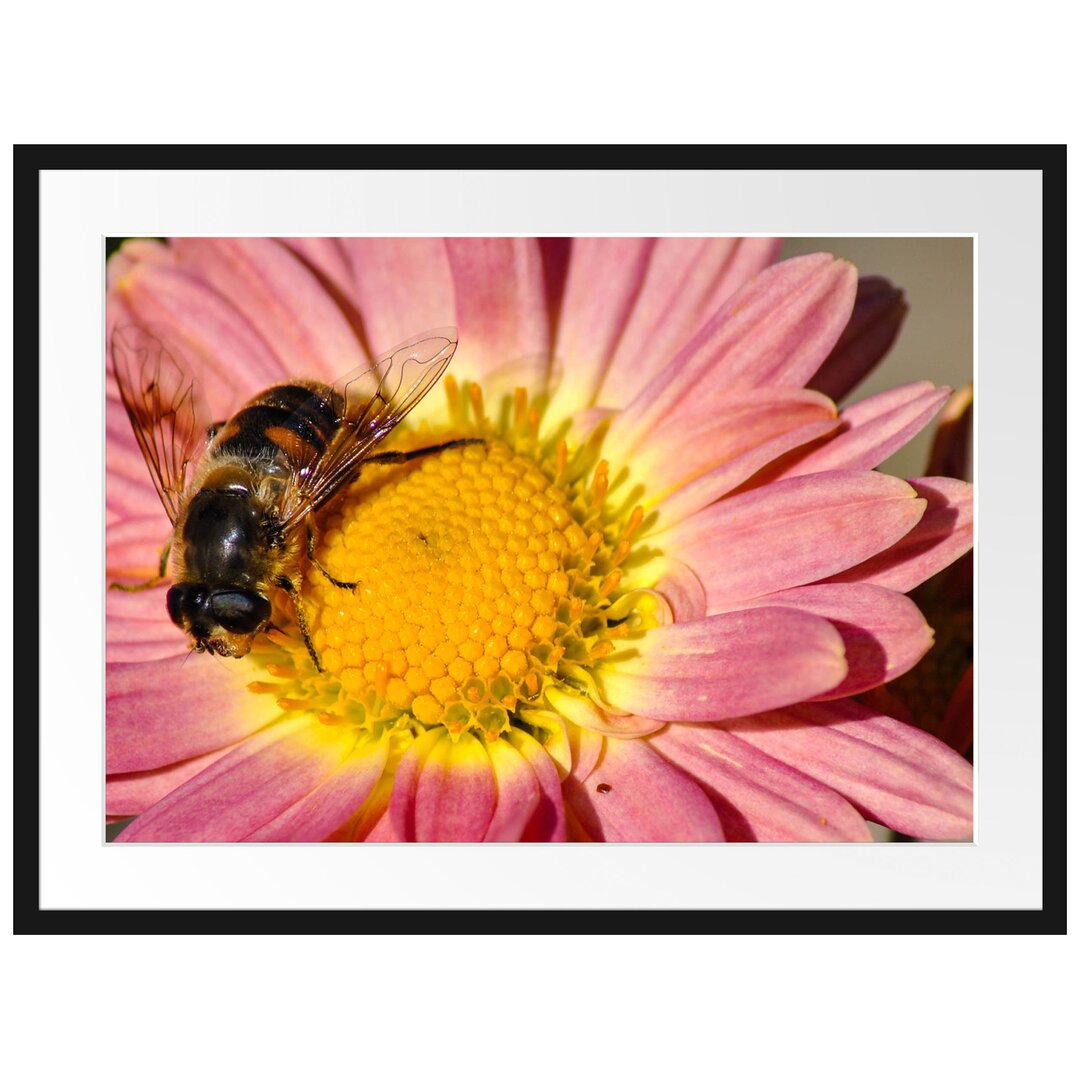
(485, 578)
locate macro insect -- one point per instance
(243, 521)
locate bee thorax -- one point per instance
(224, 539)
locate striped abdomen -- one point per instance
(295, 421)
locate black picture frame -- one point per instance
(31, 160)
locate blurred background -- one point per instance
(936, 340)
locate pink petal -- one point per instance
(133, 547)
(131, 252)
(164, 711)
(278, 295)
(381, 832)
(757, 797)
(585, 713)
(133, 793)
(117, 313)
(717, 483)
(892, 773)
(585, 749)
(372, 821)
(135, 639)
(502, 314)
(222, 347)
(951, 452)
(332, 802)
(695, 458)
(884, 632)
(116, 266)
(548, 822)
(575, 831)
(259, 780)
(875, 321)
(635, 795)
(145, 606)
(681, 588)
(402, 286)
(517, 792)
(943, 534)
(604, 279)
(443, 790)
(554, 736)
(631, 303)
(686, 282)
(579, 427)
(873, 429)
(129, 491)
(773, 332)
(792, 532)
(402, 808)
(127, 499)
(327, 257)
(724, 665)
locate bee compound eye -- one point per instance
(240, 611)
(174, 600)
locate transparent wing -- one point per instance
(369, 403)
(159, 395)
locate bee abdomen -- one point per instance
(295, 420)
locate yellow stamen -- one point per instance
(289, 704)
(600, 482)
(453, 396)
(592, 545)
(282, 671)
(610, 583)
(521, 405)
(476, 399)
(622, 549)
(561, 453)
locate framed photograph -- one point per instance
(588, 539)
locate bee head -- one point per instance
(221, 621)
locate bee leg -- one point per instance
(399, 457)
(322, 569)
(163, 565)
(293, 590)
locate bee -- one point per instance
(243, 522)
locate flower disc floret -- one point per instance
(483, 575)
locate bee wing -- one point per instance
(159, 395)
(369, 403)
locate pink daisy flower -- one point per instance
(641, 609)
